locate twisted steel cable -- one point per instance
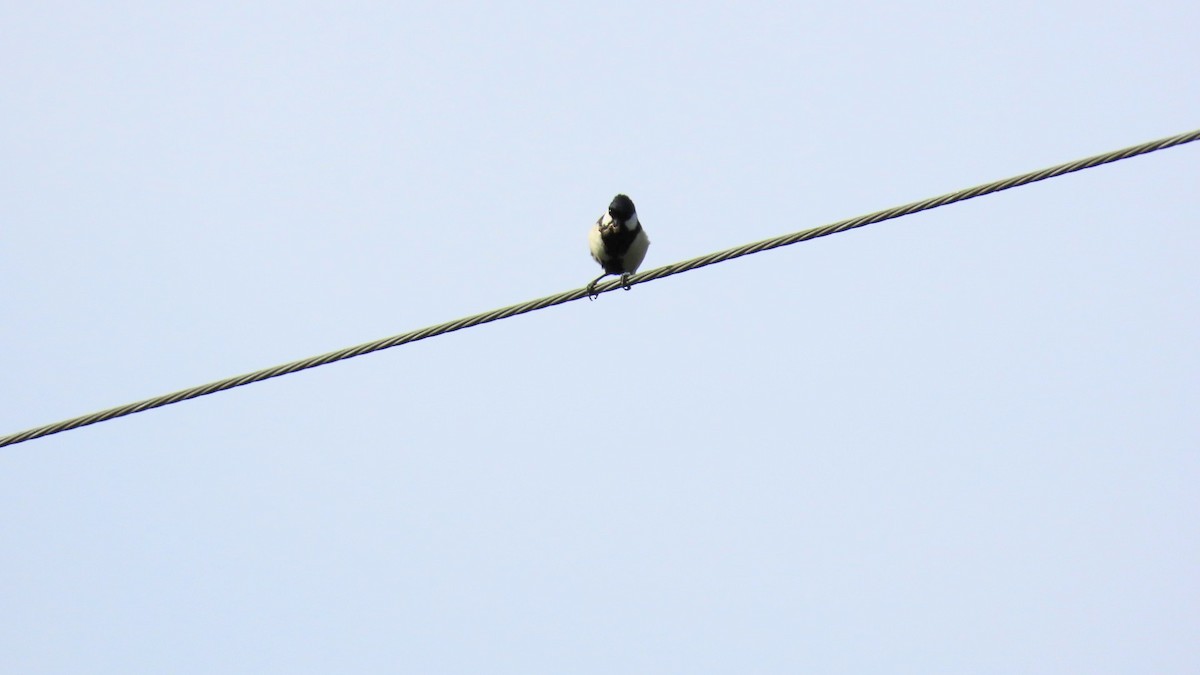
(569, 296)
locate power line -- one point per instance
(569, 296)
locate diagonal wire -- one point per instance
(569, 296)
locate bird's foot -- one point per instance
(625, 282)
(591, 288)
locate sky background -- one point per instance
(965, 441)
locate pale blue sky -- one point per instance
(961, 442)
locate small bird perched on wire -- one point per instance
(617, 242)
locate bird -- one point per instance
(618, 242)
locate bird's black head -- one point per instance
(621, 208)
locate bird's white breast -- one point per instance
(637, 251)
(595, 243)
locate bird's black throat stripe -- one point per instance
(617, 240)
